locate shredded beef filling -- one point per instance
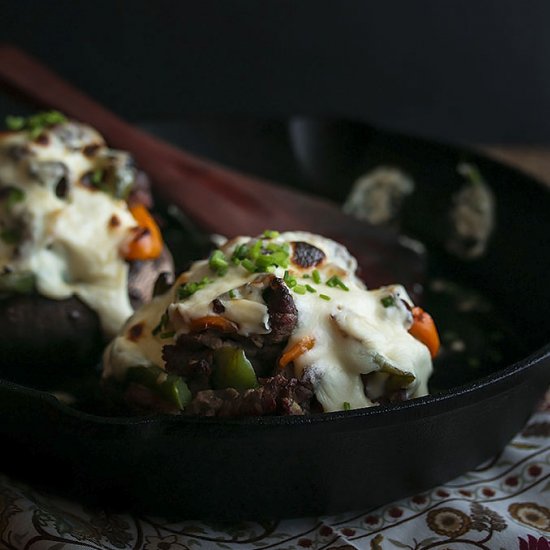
(283, 314)
(279, 393)
(276, 395)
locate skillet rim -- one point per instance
(426, 404)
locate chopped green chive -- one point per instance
(347, 406)
(239, 253)
(316, 276)
(388, 301)
(249, 265)
(282, 259)
(15, 196)
(35, 132)
(48, 118)
(309, 288)
(169, 334)
(336, 282)
(255, 251)
(275, 259)
(299, 289)
(35, 123)
(261, 257)
(289, 280)
(263, 261)
(97, 177)
(10, 236)
(218, 262)
(306, 276)
(232, 294)
(270, 234)
(15, 122)
(188, 289)
(324, 297)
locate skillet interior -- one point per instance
(299, 466)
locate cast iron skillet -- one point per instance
(297, 466)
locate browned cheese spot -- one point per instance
(91, 149)
(135, 332)
(306, 255)
(42, 139)
(114, 221)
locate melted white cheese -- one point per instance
(354, 333)
(247, 310)
(67, 241)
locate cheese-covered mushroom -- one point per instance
(278, 324)
(67, 233)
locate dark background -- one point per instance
(459, 70)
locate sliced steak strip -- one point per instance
(283, 314)
(276, 395)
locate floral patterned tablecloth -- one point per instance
(503, 504)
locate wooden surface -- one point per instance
(534, 160)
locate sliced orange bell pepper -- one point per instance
(212, 321)
(423, 329)
(145, 243)
(299, 348)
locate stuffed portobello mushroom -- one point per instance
(78, 247)
(273, 325)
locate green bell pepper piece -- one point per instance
(172, 389)
(233, 370)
